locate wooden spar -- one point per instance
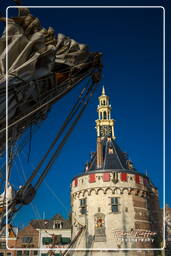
(3, 19)
(73, 241)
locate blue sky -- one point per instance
(131, 43)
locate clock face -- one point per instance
(105, 131)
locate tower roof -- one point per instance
(113, 156)
(108, 155)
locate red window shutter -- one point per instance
(106, 176)
(123, 176)
(92, 178)
(137, 178)
(76, 182)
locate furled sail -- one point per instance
(41, 68)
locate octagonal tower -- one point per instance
(113, 204)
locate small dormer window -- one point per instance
(58, 224)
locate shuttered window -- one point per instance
(123, 176)
(76, 182)
(92, 178)
(106, 176)
(46, 240)
(137, 178)
(65, 240)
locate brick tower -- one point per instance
(117, 205)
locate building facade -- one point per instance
(113, 205)
(27, 238)
(44, 234)
(53, 233)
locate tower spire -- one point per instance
(103, 90)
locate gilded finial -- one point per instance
(103, 91)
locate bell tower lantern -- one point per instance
(104, 123)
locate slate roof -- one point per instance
(113, 156)
(49, 223)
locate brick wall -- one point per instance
(28, 231)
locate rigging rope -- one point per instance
(17, 149)
(30, 140)
(26, 194)
(51, 190)
(55, 155)
(11, 155)
(61, 131)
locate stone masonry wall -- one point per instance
(134, 214)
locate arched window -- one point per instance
(100, 115)
(104, 103)
(104, 115)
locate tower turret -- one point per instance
(117, 205)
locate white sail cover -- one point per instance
(33, 50)
(35, 53)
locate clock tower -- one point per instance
(104, 126)
(104, 123)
